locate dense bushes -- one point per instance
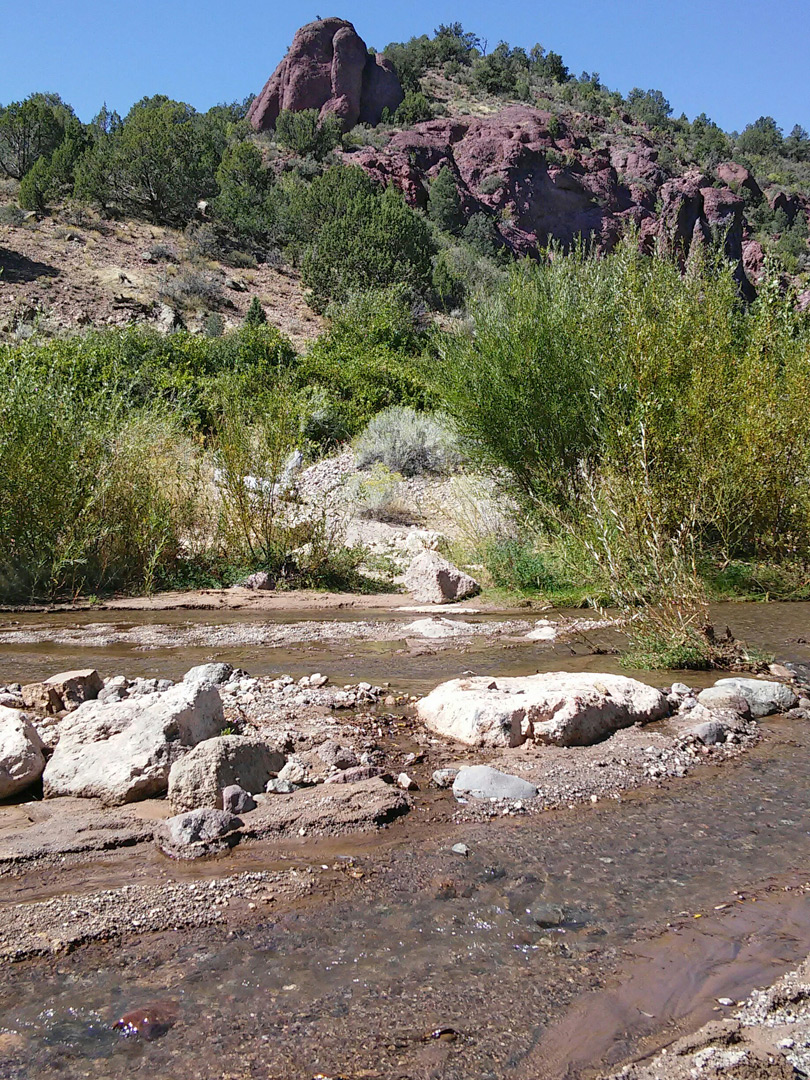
(362, 238)
(157, 163)
(368, 360)
(617, 382)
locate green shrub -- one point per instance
(518, 566)
(408, 442)
(256, 315)
(374, 241)
(444, 203)
(306, 135)
(620, 378)
(413, 109)
(369, 359)
(106, 493)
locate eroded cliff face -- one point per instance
(328, 67)
(539, 187)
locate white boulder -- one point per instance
(566, 709)
(431, 579)
(21, 756)
(122, 751)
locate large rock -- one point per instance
(21, 758)
(482, 782)
(328, 67)
(123, 751)
(208, 675)
(431, 579)
(557, 707)
(63, 692)
(197, 779)
(763, 697)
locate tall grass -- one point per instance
(117, 475)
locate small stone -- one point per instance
(681, 689)
(547, 915)
(443, 778)
(317, 679)
(406, 782)
(280, 787)
(460, 849)
(727, 1001)
(235, 800)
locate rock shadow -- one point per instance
(16, 268)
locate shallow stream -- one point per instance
(431, 942)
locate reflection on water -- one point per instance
(431, 940)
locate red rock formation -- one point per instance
(737, 177)
(556, 187)
(329, 68)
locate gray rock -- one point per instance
(710, 732)
(339, 757)
(681, 689)
(259, 582)
(295, 770)
(431, 579)
(196, 833)
(460, 849)
(21, 758)
(208, 675)
(122, 751)
(443, 778)
(547, 915)
(279, 787)
(725, 697)
(355, 775)
(483, 782)
(764, 698)
(198, 778)
(235, 800)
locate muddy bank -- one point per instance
(765, 1035)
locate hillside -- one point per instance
(532, 155)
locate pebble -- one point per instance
(406, 782)
(460, 849)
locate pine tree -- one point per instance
(444, 204)
(255, 314)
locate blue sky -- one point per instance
(733, 59)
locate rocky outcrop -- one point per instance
(556, 707)
(328, 67)
(21, 758)
(540, 181)
(122, 751)
(197, 779)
